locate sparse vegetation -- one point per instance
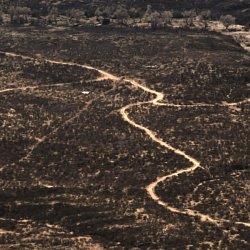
(88, 169)
(205, 17)
(227, 20)
(75, 15)
(167, 17)
(74, 171)
(1, 16)
(52, 15)
(189, 16)
(121, 14)
(48, 13)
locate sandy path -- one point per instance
(222, 104)
(194, 164)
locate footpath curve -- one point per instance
(195, 164)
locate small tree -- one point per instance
(167, 17)
(189, 16)
(1, 16)
(12, 13)
(107, 12)
(134, 13)
(155, 19)
(53, 14)
(75, 15)
(99, 13)
(24, 13)
(205, 17)
(148, 13)
(18, 14)
(121, 14)
(227, 20)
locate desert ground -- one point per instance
(123, 138)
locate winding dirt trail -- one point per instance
(194, 163)
(158, 101)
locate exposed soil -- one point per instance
(79, 172)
